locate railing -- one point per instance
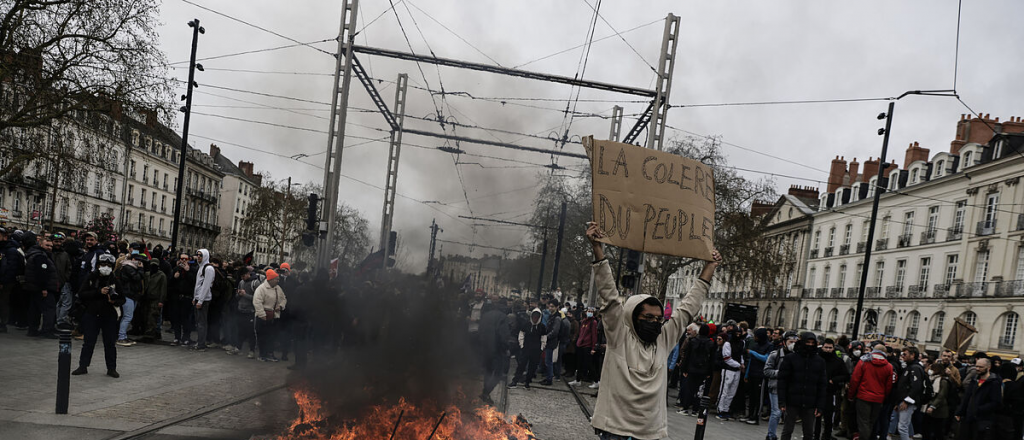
(835, 292)
(940, 290)
(1010, 288)
(1006, 343)
(806, 292)
(153, 207)
(861, 246)
(844, 249)
(986, 227)
(163, 209)
(881, 244)
(1020, 223)
(832, 326)
(851, 292)
(814, 253)
(849, 328)
(903, 241)
(912, 334)
(893, 291)
(928, 237)
(917, 291)
(890, 329)
(17, 214)
(954, 233)
(971, 290)
(820, 292)
(871, 292)
(828, 251)
(145, 179)
(936, 335)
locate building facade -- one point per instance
(237, 193)
(947, 244)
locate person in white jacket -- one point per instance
(202, 295)
(730, 375)
(268, 302)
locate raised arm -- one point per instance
(687, 307)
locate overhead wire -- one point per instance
(229, 17)
(619, 34)
(595, 41)
(248, 52)
(455, 34)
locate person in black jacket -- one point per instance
(43, 286)
(697, 364)
(12, 267)
(982, 400)
(802, 386)
(909, 390)
(180, 288)
(101, 300)
(838, 376)
(532, 340)
(494, 334)
(754, 376)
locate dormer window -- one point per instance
(938, 168)
(913, 176)
(872, 185)
(894, 182)
(856, 192)
(967, 159)
(999, 149)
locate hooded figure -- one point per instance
(202, 295)
(532, 341)
(634, 379)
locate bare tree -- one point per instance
(274, 215)
(58, 55)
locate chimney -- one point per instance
(760, 208)
(870, 170)
(890, 168)
(246, 168)
(835, 175)
(915, 153)
(803, 192)
(214, 151)
(854, 168)
(151, 120)
(974, 130)
(1013, 125)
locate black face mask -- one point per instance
(648, 331)
(806, 350)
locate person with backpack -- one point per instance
(552, 368)
(533, 340)
(131, 286)
(937, 409)
(870, 385)
(696, 366)
(153, 301)
(771, 373)
(911, 391)
(244, 312)
(202, 296)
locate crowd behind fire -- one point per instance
(832, 388)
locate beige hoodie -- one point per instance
(634, 378)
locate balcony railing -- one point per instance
(903, 241)
(928, 237)
(820, 292)
(861, 246)
(17, 214)
(832, 326)
(814, 253)
(835, 292)
(936, 335)
(844, 249)
(1020, 223)
(1010, 288)
(871, 292)
(912, 334)
(1006, 343)
(890, 330)
(849, 328)
(940, 290)
(917, 291)
(954, 233)
(893, 291)
(807, 292)
(971, 290)
(828, 251)
(881, 244)
(986, 227)
(851, 292)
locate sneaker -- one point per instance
(273, 359)
(724, 416)
(212, 345)
(753, 422)
(251, 355)
(526, 386)
(80, 371)
(113, 373)
(574, 383)
(199, 348)
(186, 343)
(233, 350)
(595, 385)
(124, 343)
(545, 382)
(742, 418)
(175, 343)
(513, 385)
(229, 348)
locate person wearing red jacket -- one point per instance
(586, 345)
(872, 381)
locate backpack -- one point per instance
(699, 358)
(929, 390)
(565, 331)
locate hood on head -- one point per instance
(535, 316)
(705, 331)
(633, 304)
(761, 335)
(206, 256)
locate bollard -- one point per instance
(63, 370)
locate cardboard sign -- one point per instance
(651, 201)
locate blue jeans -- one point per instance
(773, 420)
(552, 369)
(64, 303)
(905, 427)
(127, 312)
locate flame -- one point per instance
(414, 423)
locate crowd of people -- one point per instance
(842, 388)
(125, 292)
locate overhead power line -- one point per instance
(229, 17)
(485, 247)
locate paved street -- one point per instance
(161, 383)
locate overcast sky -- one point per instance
(729, 52)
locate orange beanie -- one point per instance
(271, 274)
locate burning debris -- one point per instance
(404, 421)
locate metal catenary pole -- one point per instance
(558, 248)
(284, 220)
(336, 132)
(391, 186)
(183, 153)
(879, 188)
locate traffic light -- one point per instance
(392, 242)
(311, 217)
(309, 238)
(633, 259)
(629, 281)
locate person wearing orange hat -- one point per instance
(268, 302)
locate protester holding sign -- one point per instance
(631, 404)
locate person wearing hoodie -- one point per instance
(937, 410)
(494, 337)
(697, 363)
(129, 285)
(533, 338)
(268, 301)
(802, 385)
(753, 378)
(43, 286)
(871, 383)
(909, 390)
(153, 300)
(99, 295)
(838, 376)
(980, 404)
(202, 296)
(7, 277)
(771, 372)
(552, 366)
(586, 342)
(244, 311)
(631, 403)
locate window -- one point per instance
(1009, 337)
(913, 176)
(833, 320)
(142, 219)
(885, 227)
(142, 202)
(939, 167)
(951, 263)
(161, 225)
(922, 278)
(151, 220)
(810, 277)
(848, 235)
(908, 223)
(768, 316)
(860, 274)
(817, 319)
(842, 277)
(803, 317)
(890, 323)
(938, 322)
(901, 273)
(871, 186)
(981, 267)
(1020, 262)
(970, 318)
(145, 171)
(832, 236)
(933, 218)
(999, 149)
(817, 239)
(156, 175)
(782, 317)
(914, 320)
(967, 160)
(864, 232)
(849, 321)
(879, 273)
(958, 215)
(894, 181)
(163, 202)
(991, 207)
(828, 274)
